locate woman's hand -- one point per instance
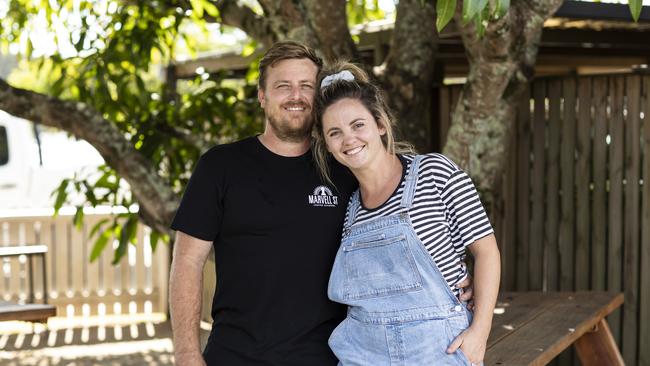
(472, 342)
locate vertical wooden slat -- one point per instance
(599, 166)
(583, 151)
(631, 223)
(4, 281)
(16, 273)
(644, 301)
(553, 185)
(93, 267)
(36, 275)
(108, 273)
(523, 191)
(536, 250)
(47, 238)
(445, 115)
(615, 211)
(567, 161)
(161, 276)
(509, 244)
(78, 262)
(61, 256)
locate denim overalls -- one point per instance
(401, 310)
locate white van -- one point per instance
(34, 161)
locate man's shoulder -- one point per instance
(228, 150)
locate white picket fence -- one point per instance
(138, 284)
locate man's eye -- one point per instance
(358, 125)
(307, 86)
(283, 86)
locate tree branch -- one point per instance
(244, 18)
(156, 199)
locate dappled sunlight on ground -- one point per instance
(134, 339)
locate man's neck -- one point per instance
(282, 147)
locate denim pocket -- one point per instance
(379, 265)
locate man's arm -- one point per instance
(185, 289)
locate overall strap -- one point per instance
(410, 181)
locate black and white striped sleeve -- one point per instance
(467, 218)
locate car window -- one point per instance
(4, 146)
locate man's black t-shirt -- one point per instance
(276, 228)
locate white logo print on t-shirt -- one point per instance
(323, 197)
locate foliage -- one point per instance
(112, 59)
(635, 8)
(478, 11)
(360, 11)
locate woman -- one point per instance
(404, 238)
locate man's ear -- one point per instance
(260, 96)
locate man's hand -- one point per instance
(466, 291)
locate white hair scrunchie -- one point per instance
(341, 75)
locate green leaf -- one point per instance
(445, 12)
(211, 9)
(635, 8)
(153, 240)
(127, 234)
(90, 194)
(197, 8)
(501, 9)
(100, 244)
(61, 195)
(78, 217)
(96, 227)
(470, 7)
(249, 49)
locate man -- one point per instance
(275, 228)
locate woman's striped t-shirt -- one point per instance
(446, 214)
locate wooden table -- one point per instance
(532, 328)
(26, 312)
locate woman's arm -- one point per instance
(487, 274)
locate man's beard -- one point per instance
(285, 131)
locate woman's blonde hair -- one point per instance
(365, 91)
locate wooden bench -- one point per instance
(30, 311)
(532, 328)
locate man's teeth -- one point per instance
(353, 151)
(295, 108)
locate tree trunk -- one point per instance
(407, 74)
(501, 66)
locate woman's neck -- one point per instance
(378, 181)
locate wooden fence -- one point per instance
(138, 284)
(576, 211)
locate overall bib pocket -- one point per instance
(379, 265)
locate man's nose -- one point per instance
(296, 93)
